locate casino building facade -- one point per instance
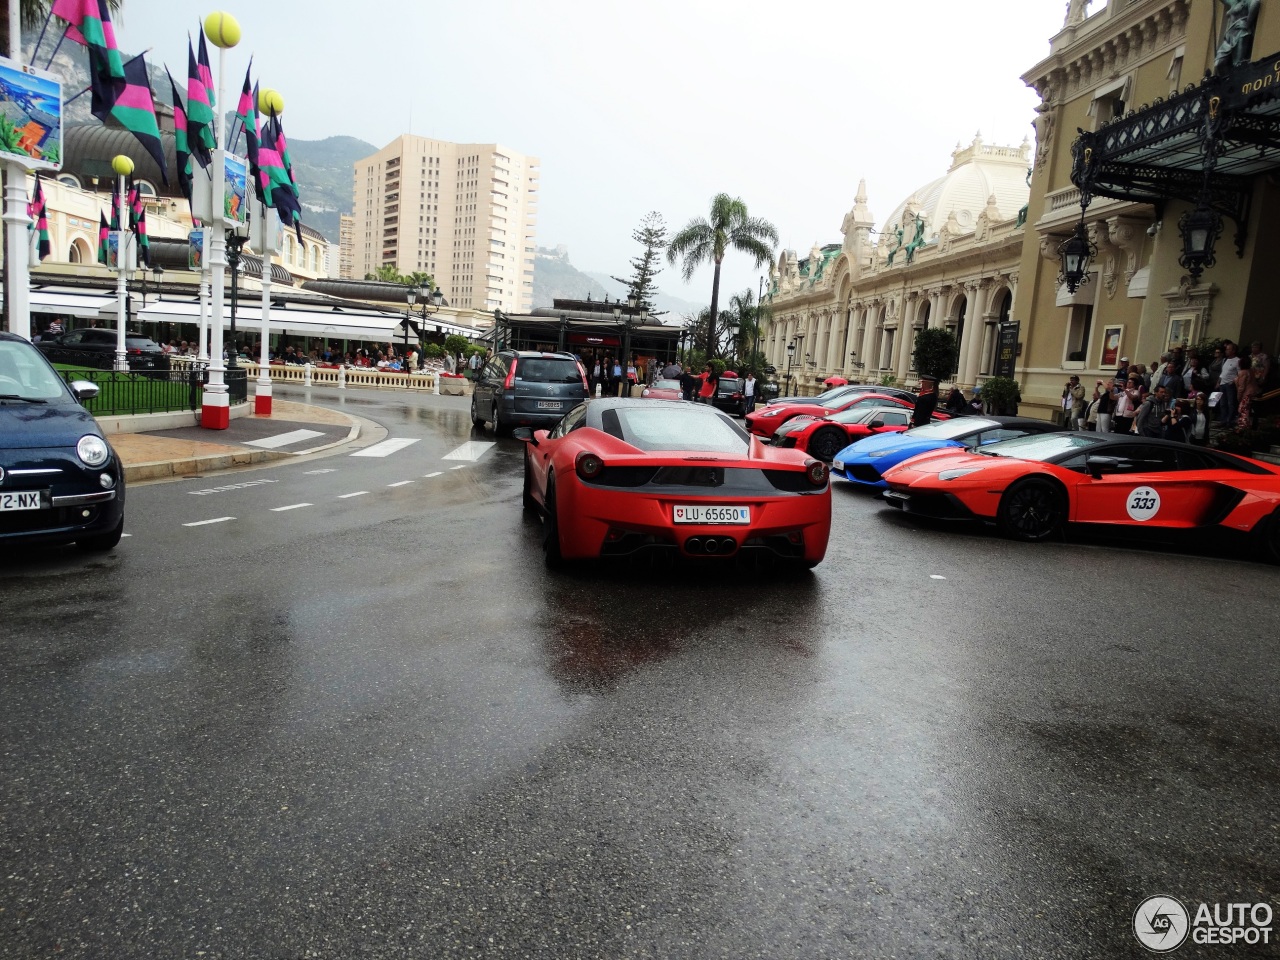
(1157, 152)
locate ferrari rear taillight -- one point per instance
(510, 382)
(817, 472)
(588, 465)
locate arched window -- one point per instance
(69, 179)
(146, 188)
(79, 251)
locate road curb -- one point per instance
(185, 466)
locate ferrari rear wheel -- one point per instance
(551, 530)
(1031, 509)
(826, 442)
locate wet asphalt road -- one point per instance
(377, 727)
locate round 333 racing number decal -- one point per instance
(1143, 503)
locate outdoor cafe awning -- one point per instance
(63, 301)
(336, 323)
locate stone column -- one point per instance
(907, 334)
(974, 326)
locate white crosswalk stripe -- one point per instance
(402, 483)
(292, 506)
(471, 450)
(386, 447)
(205, 523)
(348, 496)
(284, 439)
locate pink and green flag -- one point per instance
(201, 132)
(134, 109)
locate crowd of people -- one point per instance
(1179, 397)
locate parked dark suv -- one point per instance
(96, 347)
(729, 397)
(525, 388)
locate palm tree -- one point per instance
(708, 240)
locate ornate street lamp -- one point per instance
(1200, 229)
(1076, 253)
(635, 314)
(432, 300)
(791, 356)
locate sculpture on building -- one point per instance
(1077, 10)
(1235, 44)
(917, 241)
(1043, 124)
(897, 245)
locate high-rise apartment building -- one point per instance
(463, 212)
(347, 247)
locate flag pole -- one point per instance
(71, 100)
(123, 166)
(40, 39)
(215, 413)
(52, 55)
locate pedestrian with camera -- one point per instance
(1104, 398)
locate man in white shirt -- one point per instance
(1227, 385)
(748, 394)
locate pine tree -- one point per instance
(652, 235)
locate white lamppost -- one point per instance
(123, 167)
(224, 33)
(264, 240)
(15, 214)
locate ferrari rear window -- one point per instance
(650, 429)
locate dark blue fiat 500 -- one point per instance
(60, 481)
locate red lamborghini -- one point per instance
(629, 478)
(1031, 487)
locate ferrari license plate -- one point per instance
(26, 500)
(701, 513)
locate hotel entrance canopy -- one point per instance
(1205, 144)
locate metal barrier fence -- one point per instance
(155, 391)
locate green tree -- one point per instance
(743, 313)
(456, 344)
(387, 273)
(708, 240)
(652, 235)
(935, 353)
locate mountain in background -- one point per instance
(555, 278)
(674, 307)
(324, 170)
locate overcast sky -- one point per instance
(655, 106)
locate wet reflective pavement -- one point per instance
(378, 727)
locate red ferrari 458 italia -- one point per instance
(1032, 487)
(764, 422)
(663, 390)
(627, 478)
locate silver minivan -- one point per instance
(527, 388)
